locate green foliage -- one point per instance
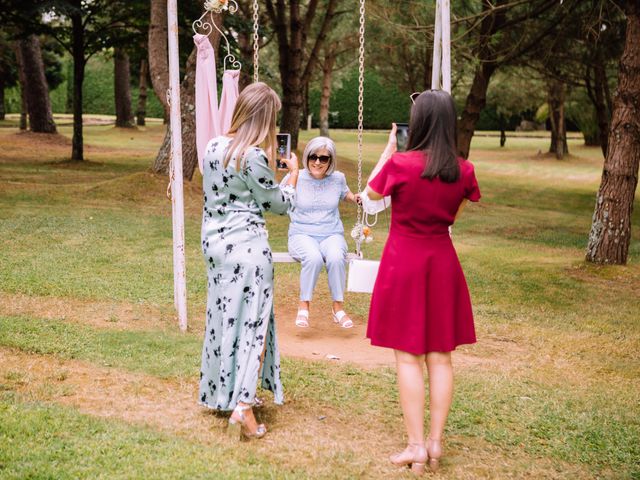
(491, 119)
(581, 112)
(52, 54)
(512, 95)
(8, 67)
(542, 113)
(98, 90)
(382, 105)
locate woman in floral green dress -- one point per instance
(239, 186)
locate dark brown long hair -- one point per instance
(432, 130)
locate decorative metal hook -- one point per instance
(232, 61)
(207, 25)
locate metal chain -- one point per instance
(360, 121)
(256, 41)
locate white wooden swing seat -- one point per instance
(284, 257)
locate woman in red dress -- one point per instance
(420, 305)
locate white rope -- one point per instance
(437, 45)
(359, 222)
(256, 41)
(171, 172)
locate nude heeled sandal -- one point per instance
(414, 456)
(434, 454)
(237, 426)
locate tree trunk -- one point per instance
(428, 62)
(37, 90)
(476, 100)
(556, 99)
(158, 53)
(291, 80)
(23, 88)
(122, 88)
(327, 72)
(141, 112)
(305, 105)
(611, 225)
(188, 115)
(245, 43)
(77, 147)
(2, 109)
(292, 32)
(291, 112)
(68, 107)
(503, 134)
(602, 113)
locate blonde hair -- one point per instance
(254, 123)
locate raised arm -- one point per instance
(389, 150)
(261, 180)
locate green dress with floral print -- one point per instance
(240, 324)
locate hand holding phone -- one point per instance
(402, 136)
(283, 149)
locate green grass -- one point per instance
(49, 442)
(563, 420)
(117, 253)
(561, 394)
(159, 353)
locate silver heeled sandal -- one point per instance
(237, 426)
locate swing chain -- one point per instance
(256, 41)
(360, 224)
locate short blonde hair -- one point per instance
(254, 123)
(316, 144)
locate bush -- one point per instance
(382, 105)
(97, 91)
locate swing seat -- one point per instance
(284, 257)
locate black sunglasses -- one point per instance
(322, 158)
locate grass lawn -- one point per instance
(97, 382)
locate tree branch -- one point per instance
(313, 57)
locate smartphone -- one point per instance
(284, 149)
(402, 136)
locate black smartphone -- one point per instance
(402, 136)
(284, 149)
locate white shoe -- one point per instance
(338, 317)
(302, 319)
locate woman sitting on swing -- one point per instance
(316, 233)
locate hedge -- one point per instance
(97, 91)
(382, 105)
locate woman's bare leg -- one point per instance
(411, 386)
(440, 398)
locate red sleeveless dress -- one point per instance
(420, 300)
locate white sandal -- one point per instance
(338, 317)
(304, 321)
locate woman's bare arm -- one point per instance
(389, 150)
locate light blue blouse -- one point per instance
(316, 212)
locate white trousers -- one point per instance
(313, 253)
